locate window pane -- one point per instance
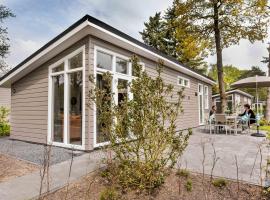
(101, 135)
(186, 82)
(229, 97)
(122, 90)
(180, 81)
(58, 68)
(121, 66)
(122, 94)
(75, 61)
(104, 61)
(58, 108)
(75, 107)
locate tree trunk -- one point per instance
(219, 60)
(267, 111)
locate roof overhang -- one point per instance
(235, 91)
(91, 26)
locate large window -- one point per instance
(206, 97)
(67, 93)
(120, 69)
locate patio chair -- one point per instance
(245, 123)
(220, 122)
(209, 123)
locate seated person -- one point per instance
(213, 111)
(249, 112)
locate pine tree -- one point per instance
(4, 45)
(153, 33)
(160, 32)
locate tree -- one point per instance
(160, 33)
(141, 130)
(222, 23)
(153, 34)
(267, 60)
(231, 74)
(4, 45)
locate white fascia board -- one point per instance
(45, 51)
(183, 69)
(87, 23)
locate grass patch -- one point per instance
(262, 128)
(183, 173)
(219, 182)
(109, 193)
(188, 185)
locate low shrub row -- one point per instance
(4, 123)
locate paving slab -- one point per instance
(28, 186)
(244, 148)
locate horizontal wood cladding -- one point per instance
(5, 97)
(29, 100)
(189, 117)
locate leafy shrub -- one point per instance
(141, 130)
(4, 124)
(219, 182)
(183, 173)
(264, 122)
(188, 185)
(109, 194)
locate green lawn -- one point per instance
(263, 128)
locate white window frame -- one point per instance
(66, 97)
(184, 79)
(206, 97)
(201, 93)
(115, 77)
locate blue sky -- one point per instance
(38, 21)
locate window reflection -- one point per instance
(104, 60)
(75, 108)
(58, 108)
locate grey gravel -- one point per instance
(34, 152)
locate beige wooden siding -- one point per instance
(29, 101)
(189, 118)
(5, 97)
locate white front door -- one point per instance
(200, 100)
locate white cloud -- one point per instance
(21, 49)
(36, 26)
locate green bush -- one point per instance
(4, 124)
(109, 194)
(219, 182)
(188, 185)
(182, 173)
(142, 130)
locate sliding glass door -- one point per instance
(67, 115)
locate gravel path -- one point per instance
(34, 152)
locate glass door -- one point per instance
(66, 101)
(58, 108)
(200, 99)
